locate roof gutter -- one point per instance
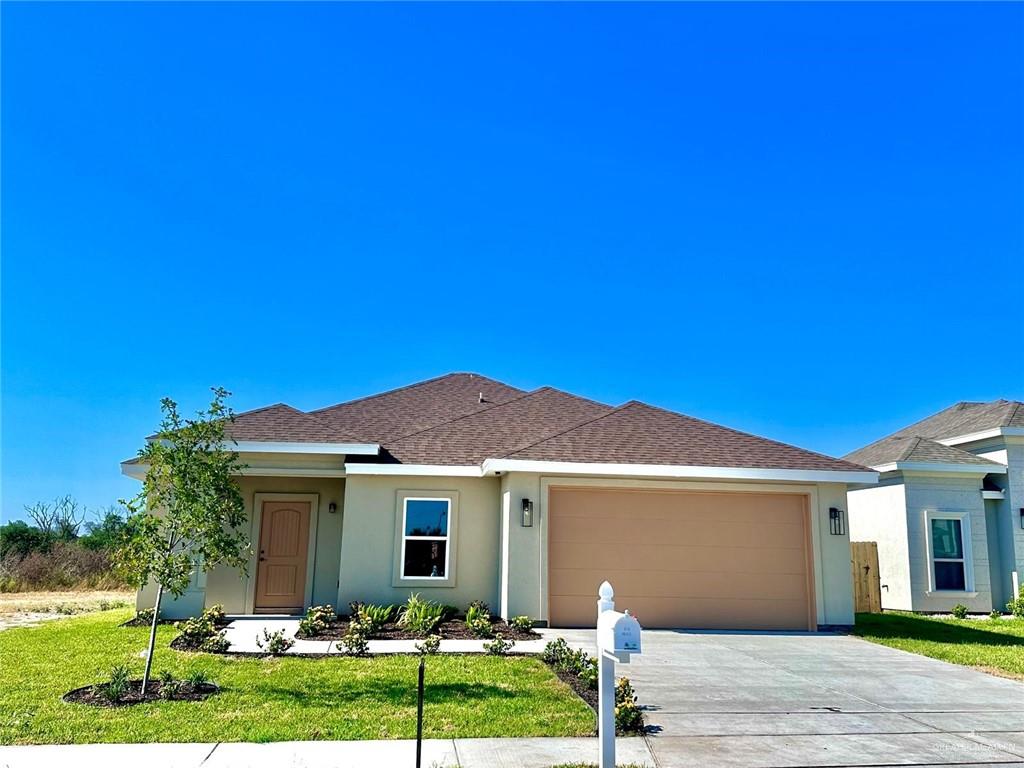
(959, 469)
(973, 437)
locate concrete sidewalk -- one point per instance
(437, 753)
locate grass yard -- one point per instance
(992, 645)
(269, 699)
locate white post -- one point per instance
(606, 687)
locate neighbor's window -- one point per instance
(425, 538)
(948, 555)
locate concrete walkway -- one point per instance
(724, 700)
(437, 753)
(244, 631)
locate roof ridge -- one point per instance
(266, 408)
(404, 387)
(467, 415)
(570, 429)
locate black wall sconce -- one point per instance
(527, 520)
(332, 507)
(1022, 517)
(836, 523)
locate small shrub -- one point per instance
(480, 606)
(499, 646)
(197, 678)
(356, 640)
(587, 671)
(216, 643)
(478, 621)
(169, 687)
(117, 684)
(430, 645)
(555, 652)
(1016, 605)
(318, 619)
(422, 617)
(374, 617)
(105, 605)
(274, 643)
(521, 623)
(960, 611)
(215, 613)
(145, 616)
(995, 615)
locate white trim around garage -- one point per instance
(491, 466)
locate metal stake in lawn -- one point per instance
(419, 715)
(618, 636)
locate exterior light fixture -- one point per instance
(1022, 517)
(332, 507)
(836, 523)
(527, 513)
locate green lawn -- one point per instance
(269, 699)
(995, 645)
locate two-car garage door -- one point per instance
(698, 560)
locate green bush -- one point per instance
(995, 615)
(357, 639)
(628, 716)
(499, 646)
(275, 643)
(478, 621)
(521, 623)
(374, 617)
(201, 632)
(317, 620)
(197, 678)
(422, 617)
(216, 643)
(117, 684)
(1016, 605)
(960, 611)
(558, 654)
(430, 645)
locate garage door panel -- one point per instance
(683, 559)
(680, 559)
(668, 584)
(646, 531)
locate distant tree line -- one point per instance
(61, 547)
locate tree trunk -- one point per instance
(152, 638)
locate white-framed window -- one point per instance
(426, 538)
(949, 548)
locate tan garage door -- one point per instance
(680, 559)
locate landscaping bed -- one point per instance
(100, 695)
(453, 628)
(270, 698)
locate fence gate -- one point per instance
(867, 588)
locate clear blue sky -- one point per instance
(800, 220)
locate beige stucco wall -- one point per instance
(523, 585)
(879, 514)
(368, 552)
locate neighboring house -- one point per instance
(462, 488)
(948, 511)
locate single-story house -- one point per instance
(463, 488)
(948, 510)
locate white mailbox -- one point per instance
(618, 634)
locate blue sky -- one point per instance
(800, 220)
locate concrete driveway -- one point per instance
(772, 699)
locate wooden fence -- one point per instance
(867, 588)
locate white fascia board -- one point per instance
(261, 446)
(987, 434)
(959, 469)
(667, 470)
(131, 469)
(437, 470)
(138, 471)
(993, 495)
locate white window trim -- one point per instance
(399, 579)
(965, 541)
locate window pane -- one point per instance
(426, 517)
(946, 540)
(424, 558)
(950, 576)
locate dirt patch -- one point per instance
(183, 691)
(451, 629)
(26, 609)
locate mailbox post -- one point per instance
(618, 636)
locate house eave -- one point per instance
(925, 467)
(987, 434)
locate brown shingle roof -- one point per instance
(637, 433)
(285, 424)
(915, 449)
(404, 411)
(497, 430)
(965, 418)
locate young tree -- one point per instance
(190, 512)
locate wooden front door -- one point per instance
(284, 544)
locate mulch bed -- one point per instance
(589, 695)
(179, 643)
(91, 695)
(452, 629)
